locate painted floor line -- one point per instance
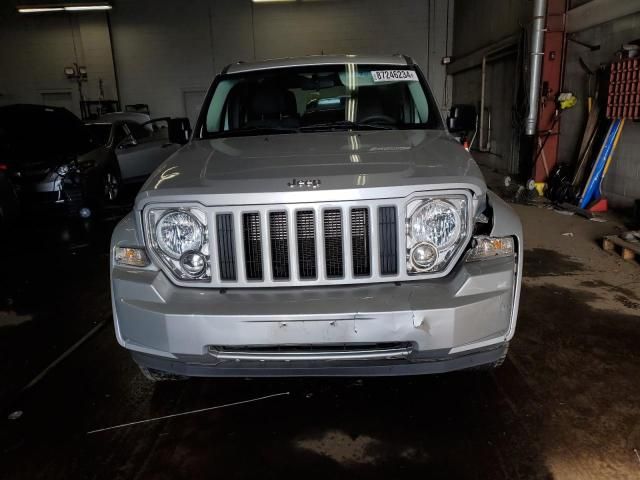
(64, 355)
(191, 412)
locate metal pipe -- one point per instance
(537, 54)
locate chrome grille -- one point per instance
(332, 223)
(278, 233)
(388, 232)
(296, 245)
(226, 247)
(306, 232)
(360, 242)
(252, 246)
(347, 242)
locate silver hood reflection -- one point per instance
(351, 165)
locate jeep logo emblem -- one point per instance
(315, 183)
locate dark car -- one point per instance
(52, 159)
(45, 151)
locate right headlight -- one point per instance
(436, 227)
(179, 237)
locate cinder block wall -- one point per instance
(492, 20)
(477, 24)
(34, 49)
(622, 184)
(167, 51)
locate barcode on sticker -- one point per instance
(394, 76)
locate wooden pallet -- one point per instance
(628, 250)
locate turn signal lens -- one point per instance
(132, 257)
(485, 248)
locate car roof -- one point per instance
(397, 60)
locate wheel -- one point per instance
(111, 183)
(159, 376)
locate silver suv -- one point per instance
(321, 221)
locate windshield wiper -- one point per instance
(252, 131)
(345, 124)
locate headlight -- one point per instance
(178, 232)
(436, 228)
(179, 238)
(438, 222)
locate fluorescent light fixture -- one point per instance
(87, 8)
(69, 7)
(40, 9)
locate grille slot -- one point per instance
(306, 233)
(252, 246)
(226, 248)
(388, 237)
(334, 260)
(360, 242)
(279, 245)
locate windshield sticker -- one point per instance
(394, 76)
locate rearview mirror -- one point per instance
(179, 130)
(462, 118)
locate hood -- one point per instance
(364, 162)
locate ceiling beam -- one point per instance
(597, 12)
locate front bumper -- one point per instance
(425, 364)
(459, 321)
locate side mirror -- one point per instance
(462, 118)
(179, 130)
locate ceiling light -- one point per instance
(40, 9)
(87, 8)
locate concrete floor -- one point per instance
(564, 405)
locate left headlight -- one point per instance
(436, 228)
(179, 237)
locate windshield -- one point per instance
(319, 98)
(100, 133)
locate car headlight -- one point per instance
(178, 232)
(436, 228)
(179, 238)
